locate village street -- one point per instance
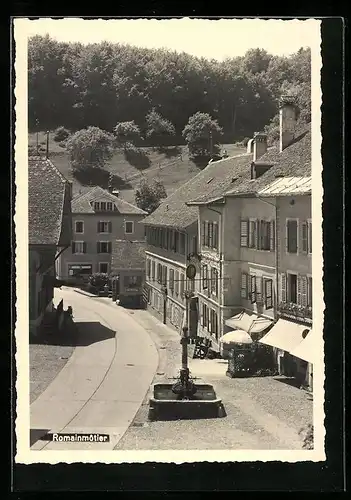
(106, 383)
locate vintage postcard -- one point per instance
(169, 260)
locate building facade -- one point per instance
(50, 233)
(98, 219)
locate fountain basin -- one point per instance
(165, 405)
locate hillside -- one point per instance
(171, 166)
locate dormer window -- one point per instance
(96, 206)
(109, 205)
(103, 206)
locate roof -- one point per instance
(286, 186)
(209, 184)
(294, 162)
(48, 202)
(81, 202)
(128, 254)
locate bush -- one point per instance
(61, 134)
(307, 434)
(97, 281)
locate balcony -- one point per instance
(290, 310)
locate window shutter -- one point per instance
(253, 289)
(73, 247)
(244, 280)
(110, 227)
(304, 237)
(299, 289)
(283, 287)
(98, 246)
(203, 233)
(258, 234)
(303, 290)
(272, 236)
(215, 235)
(210, 234)
(259, 289)
(309, 237)
(244, 233)
(84, 247)
(268, 292)
(98, 227)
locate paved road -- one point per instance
(104, 382)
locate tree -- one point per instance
(148, 197)
(90, 148)
(202, 135)
(126, 133)
(158, 128)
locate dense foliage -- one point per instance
(90, 148)
(76, 86)
(149, 196)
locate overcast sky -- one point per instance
(216, 39)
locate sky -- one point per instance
(215, 39)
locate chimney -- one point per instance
(288, 118)
(115, 192)
(259, 145)
(249, 146)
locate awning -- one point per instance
(284, 335)
(306, 349)
(249, 322)
(241, 321)
(259, 325)
(236, 337)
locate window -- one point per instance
(104, 227)
(252, 233)
(171, 279)
(204, 277)
(103, 267)
(148, 267)
(182, 279)
(79, 247)
(268, 293)
(96, 206)
(159, 273)
(243, 233)
(309, 291)
(193, 249)
(243, 286)
(182, 243)
(204, 233)
(109, 205)
(258, 290)
(79, 226)
(153, 270)
(129, 227)
(176, 241)
(103, 206)
(214, 281)
(164, 275)
(132, 280)
(214, 323)
(291, 235)
(264, 231)
(104, 246)
(210, 234)
(292, 288)
(205, 316)
(176, 284)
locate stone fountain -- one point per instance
(184, 398)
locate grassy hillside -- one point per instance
(172, 166)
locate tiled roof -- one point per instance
(293, 161)
(47, 196)
(286, 186)
(81, 202)
(128, 255)
(212, 182)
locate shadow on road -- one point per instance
(79, 334)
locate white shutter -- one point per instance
(304, 291)
(299, 288)
(272, 236)
(282, 291)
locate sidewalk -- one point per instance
(103, 383)
(262, 412)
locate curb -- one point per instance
(84, 293)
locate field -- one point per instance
(171, 166)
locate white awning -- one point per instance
(249, 322)
(236, 337)
(284, 335)
(306, 349)
(241, 321)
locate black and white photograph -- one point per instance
(169, 255)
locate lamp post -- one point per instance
(165, 293)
